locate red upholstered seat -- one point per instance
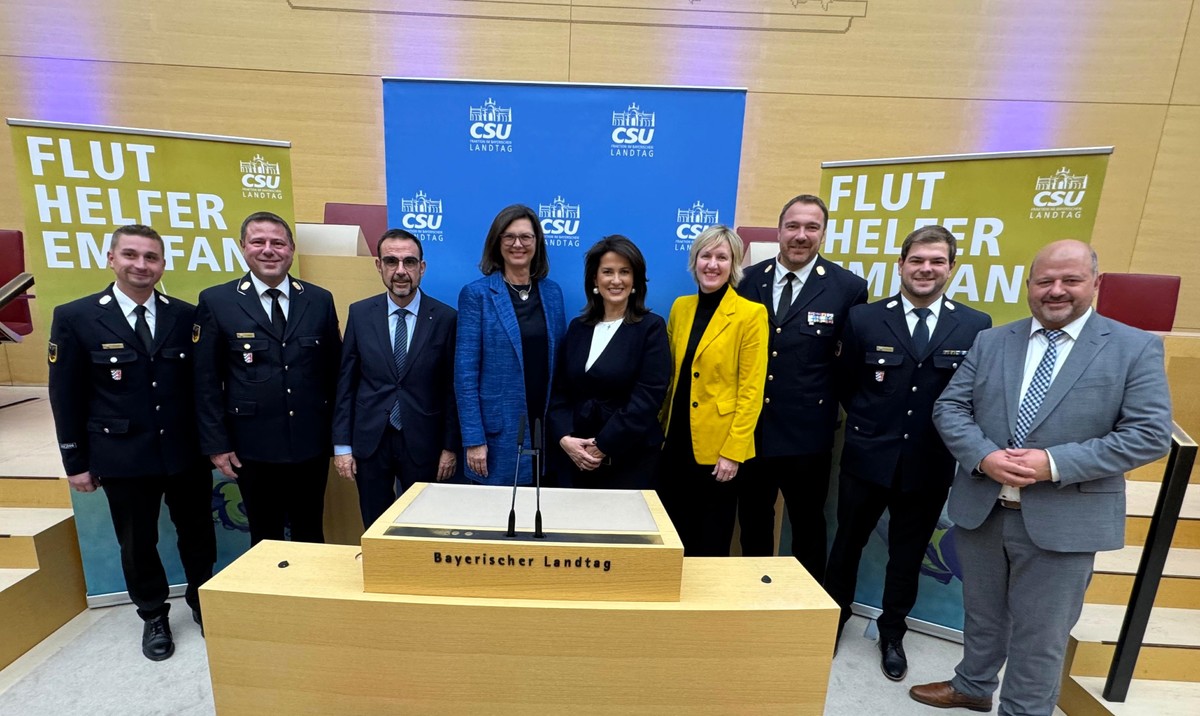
(752, 234)
(12, 262)
(1142, 300)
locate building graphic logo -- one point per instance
(1059, 195)
(633, 133)
(491, 127)
(560, 222)
(260, 179)
(691, 222)
(422, 216)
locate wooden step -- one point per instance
(1140, 498)
(1083, 696)
(41, 576)
(34, 492)
(28, 445)
(1170, 650)
(1112, 580)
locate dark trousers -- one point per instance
(638, 471)
(913, 517)
(804, 481)
(378, 474)
(135, 503)
(280, 495)
(702, 509)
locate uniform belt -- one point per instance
(1009, 504)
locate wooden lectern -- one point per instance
(441, 612)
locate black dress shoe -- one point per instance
(196, 617)
(156, 639)
(893, 662)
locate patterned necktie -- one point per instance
(785, 297)
(920, 336)
(278, 320)
(1037, 388)
(142, 328)
(400, 355)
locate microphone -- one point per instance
(512, 514)
(537, 438)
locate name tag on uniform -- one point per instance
(245, 335)
(953, 353)
(884, 349)
(816, 317)
(111, 346)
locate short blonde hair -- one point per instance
(709, 238)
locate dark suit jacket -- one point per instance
(368, 386)
(800, 411)
(268, 398)
(617, 401)
(1107, 412)
(119, 410)
(888, 392)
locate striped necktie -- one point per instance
(400, 355)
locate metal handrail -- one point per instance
(1154, 559)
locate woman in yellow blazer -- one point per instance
(719, 348)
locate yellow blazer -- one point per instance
(728, 371)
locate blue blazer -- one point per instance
(489, 372)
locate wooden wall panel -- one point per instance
(1167, 239)
(1187, 78)
(1020, 49)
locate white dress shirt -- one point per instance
(912, 318)
(127, 305)
(781, 273)
(285, 287)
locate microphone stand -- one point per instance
(512, 514)
(537, 439)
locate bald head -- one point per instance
(1062, 282)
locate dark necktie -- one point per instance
(142, 328)
(1038, 387)
(400, 355)
(785, 297)
(921, 332)
(278, 320)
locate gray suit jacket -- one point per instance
(1107, 412)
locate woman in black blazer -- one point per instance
(612, 376)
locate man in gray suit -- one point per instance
(1044, 417)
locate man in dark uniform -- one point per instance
(267, 350)
(121, 392)
(395, 417)
(807, 299)
(896, 357)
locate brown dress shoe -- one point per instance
(944, 696)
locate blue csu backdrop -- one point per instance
(657, 164)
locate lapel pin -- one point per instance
(296, 285)
(105, 300)
(950, 305)
(163, 298)
(892, 304)
(245, 285)
(820, 270)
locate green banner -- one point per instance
(1002, 207)
(80, 182)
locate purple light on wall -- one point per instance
(700, 57)
(432, 54)
(58, 90)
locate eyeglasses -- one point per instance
(410, 262)
(515, 239)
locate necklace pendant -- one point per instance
(524, 294)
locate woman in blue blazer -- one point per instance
(510, 323)
(612, 376)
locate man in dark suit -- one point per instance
(807, 299)
(395, 416)
(1044, 417)
(895, 358)
(121, 393)
(267, 350)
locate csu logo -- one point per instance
(422, 216)
(633, 133)
(260, 179)
(491, 127)
(691, 222)
(1059, 195)
(560, 222)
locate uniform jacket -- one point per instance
(268, 398)
(368, 385)
(800, 412)
(489, 372)
(727, 375)
(1107, 412)
(119, 410)
(888, 391)
(618, 400)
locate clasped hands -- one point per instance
(583, 452)
(1017, 467)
